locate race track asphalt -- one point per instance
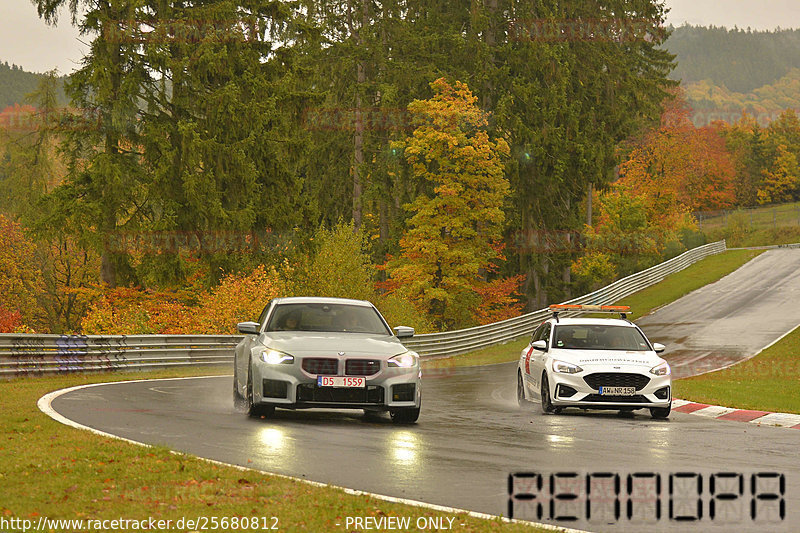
(472, 435)
(730, 320)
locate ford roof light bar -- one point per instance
(623, 310)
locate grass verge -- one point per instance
(767, 382)
(643, 302)
(759, 237)
(50, 470)
(756, 218)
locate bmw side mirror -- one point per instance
(540, 345)
(658, 347)
(403, 332)
(248, 328)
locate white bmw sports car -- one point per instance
(325, 352)
(594, 363)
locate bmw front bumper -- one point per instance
(293, 386)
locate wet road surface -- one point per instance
(469, 438)
(471, 435)
(732, 319)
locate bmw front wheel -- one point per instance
(239, 401)
(253, 410)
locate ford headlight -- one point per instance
(274, 357)
(661, 369)
(566, 368)
(404, 360)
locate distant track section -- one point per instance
(732, 319)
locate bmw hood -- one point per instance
(586, 358)
(331, 344)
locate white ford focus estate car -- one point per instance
(325, 352)
(594, 363)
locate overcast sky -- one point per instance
(28, 41)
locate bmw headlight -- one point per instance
(404, 360)
(661, 369)
(274, 357)
(566, 368)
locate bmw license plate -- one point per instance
(617, 391)
(342, 381)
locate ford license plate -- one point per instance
(617, 391)
(342, 381)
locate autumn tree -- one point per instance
(744, 140)
(10, 321)
(780, 182)
(453, 231)
(680, 164)
(69, 279)
(20, 277)
(765, 158)
(338, 265)
(630, 233)
(29, 165)
(780, 178)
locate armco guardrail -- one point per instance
(34, 354)
(27, 354)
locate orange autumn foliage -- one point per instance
(10, 321)
(680, 164)
(21, 280)
(239, 297)
(134, 311)
(499, 300)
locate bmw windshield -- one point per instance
(327, 317)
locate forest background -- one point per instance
(454, 164)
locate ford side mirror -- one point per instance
(540, 345)
(248, 328)
(658, 347)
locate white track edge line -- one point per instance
(45, 405)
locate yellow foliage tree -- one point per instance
(451, 237)
(779, 183)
